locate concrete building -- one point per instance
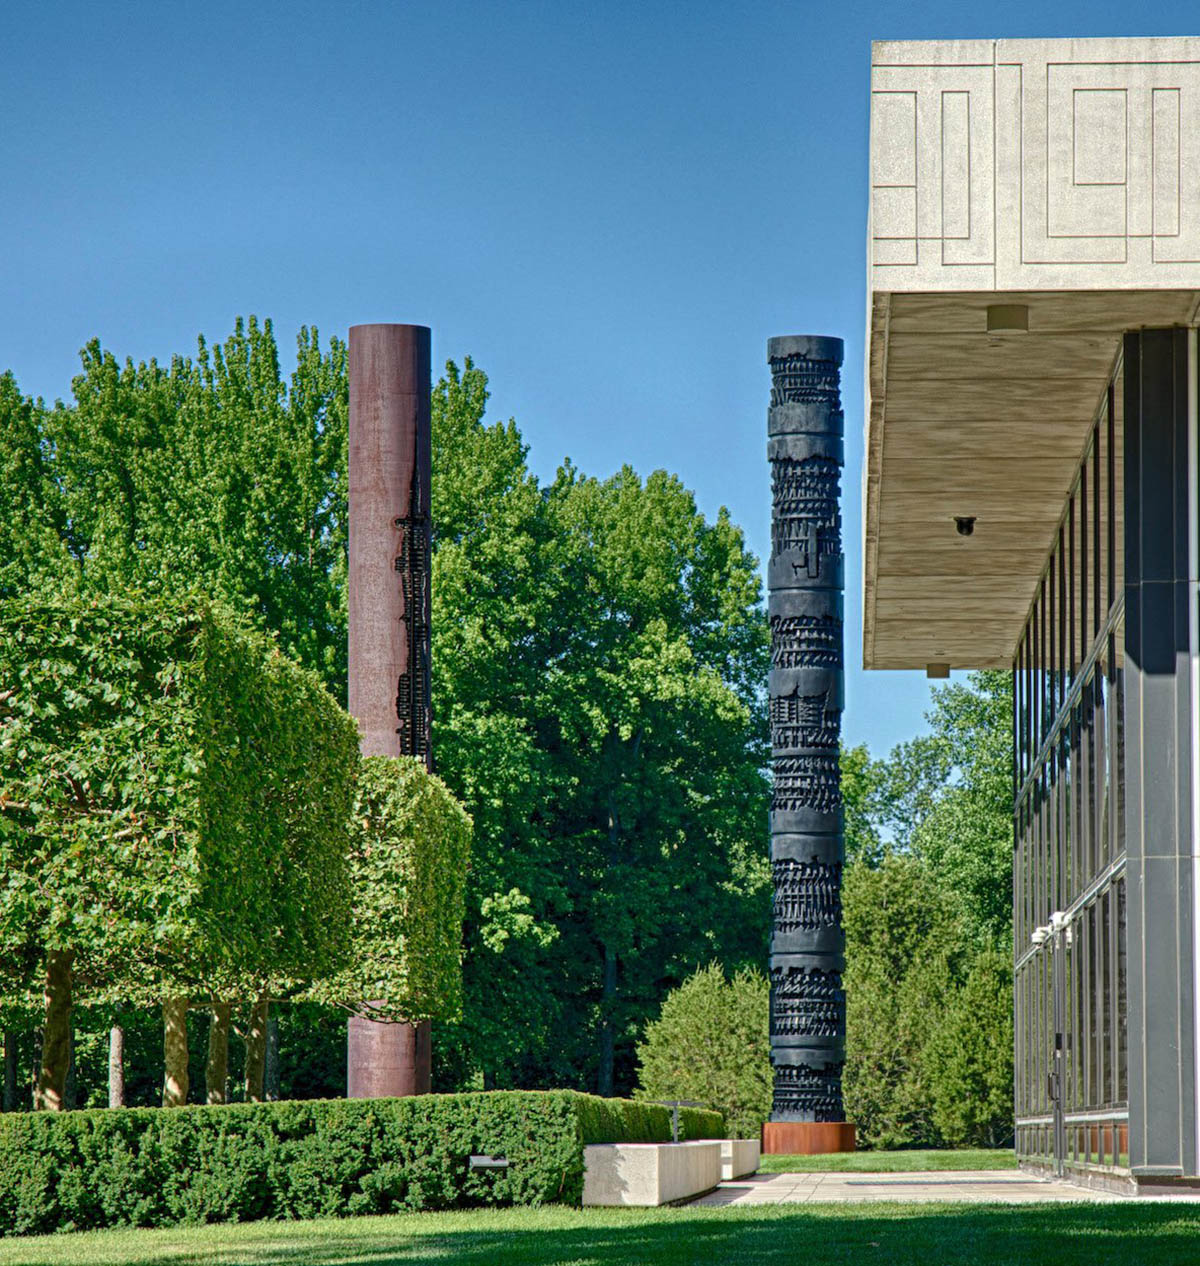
(1031, 503)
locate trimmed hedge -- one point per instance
(174, 796)
(410, 847)
(321, 1158)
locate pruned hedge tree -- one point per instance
(410, 843)
(173, 803)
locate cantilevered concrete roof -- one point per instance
(1059, 176)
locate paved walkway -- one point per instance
(966, 1186)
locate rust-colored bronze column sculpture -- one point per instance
(805, 579)
(389, 601)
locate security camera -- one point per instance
(964, 524)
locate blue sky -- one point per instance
(610, 206)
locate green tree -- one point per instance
(972, 1058)
(598, 656)
(173, 804)
(929, 927)
(711, 1043)
(966, 832)
(215, 473)
(32, 522)
(409, 851)
(860, 779)
(903, 958)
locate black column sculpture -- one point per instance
(805, 579)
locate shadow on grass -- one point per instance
(776, 1236)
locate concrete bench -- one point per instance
(649, 1174)
(739, 1157)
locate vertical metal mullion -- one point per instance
(1085, 640)
(1029, 749)
(1062, 622)
(1096, 593)
(1113, 999)
(1086, 959)
(1112, 497)
(1043, 661)
(1015, 702)
(1075, 657)
(1052, 639)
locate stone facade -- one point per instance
(1035, 164)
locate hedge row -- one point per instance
(320, 1158)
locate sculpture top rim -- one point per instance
(391, 325)
(812, 346)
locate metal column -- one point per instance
(1160, 705)
(389, 604)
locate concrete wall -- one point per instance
(1035, 164)
(649, 1174)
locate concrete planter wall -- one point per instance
(651, 1174)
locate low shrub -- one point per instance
(711, 1042)
(321, 1158)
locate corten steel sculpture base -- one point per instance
(806, 1138)
(805, 582)
(389, 618)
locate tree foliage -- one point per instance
(711, 1043)
(927, 908)
(409, 851)
(598, 659)
(213, 473)
(173, 803)
(599, 653)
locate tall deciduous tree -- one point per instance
(929, 927)
(215, 473)
(598, 658)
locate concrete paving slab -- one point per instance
(950, 1186)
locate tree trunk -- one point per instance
(608, 982)
(116, 1067)
(10, 1070)
(175, 1052)
(71, 1085)
(256, 1050)
(607, 1028)
(56, 1035)
(216, 1071)
(271, 1073)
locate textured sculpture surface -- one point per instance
(805, 578)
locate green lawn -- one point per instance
(890, 1162)
(890, 1235)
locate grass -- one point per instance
(890, 1162)
(779, 1235)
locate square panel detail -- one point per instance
(1058, 164)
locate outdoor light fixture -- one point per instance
(937, 672)
(964, 524)
(1006, 318)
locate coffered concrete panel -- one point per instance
(1035, 164)
(1059, 179)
